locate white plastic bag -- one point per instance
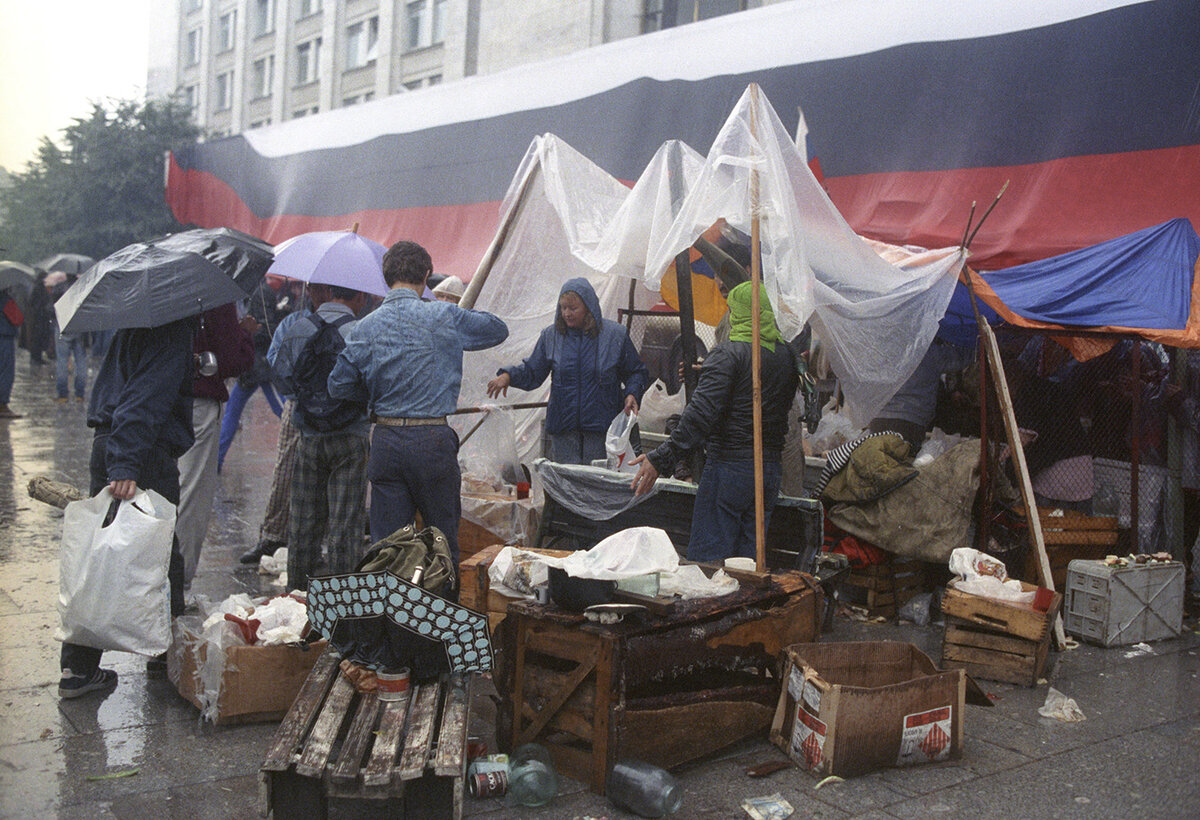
(627, 553)
(113, 590)
(616, 442)
(657, 406)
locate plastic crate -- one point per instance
(1115, 606)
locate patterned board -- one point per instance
(463, 632)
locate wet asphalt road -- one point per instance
(1137, 755)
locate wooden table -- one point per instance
(665, 689)
(409, 755)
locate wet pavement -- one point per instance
(1136, 755)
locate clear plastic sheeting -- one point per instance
(875, 307)
(595, 493)
(876, 318)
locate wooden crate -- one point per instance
(475, 588)
(406, 756)
(884, 588)
(1070, 536)
(997, 640)
(666, 689)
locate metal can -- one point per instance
(489, 784)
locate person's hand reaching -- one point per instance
(643, 482)
(499, 386)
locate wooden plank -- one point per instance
(1097, 537)
(568, 644)
(672, 736)
(961, 636)
(358, 739)
(1018, 664)
(378, 771)
(530, 732)
(299, 718)
(869, 582)
(452, 734)
(325, 730)
(573, 722)
(992, 672)
(604, 750)
(421, 721)
(1025, 483)
(572, 761)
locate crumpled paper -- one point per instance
(1061, 707)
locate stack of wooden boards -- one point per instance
(1071, 535)
(997, 640)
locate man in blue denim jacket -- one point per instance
(405, 360)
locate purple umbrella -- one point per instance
(341, 258)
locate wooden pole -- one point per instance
(497, 245)
(683, 275)
(760, 535)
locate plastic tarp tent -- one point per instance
(876, 318)
(1143, 284)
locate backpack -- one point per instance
(310, 376)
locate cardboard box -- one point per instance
(257, 683)
(852, 708)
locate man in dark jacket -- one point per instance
(721, 416)
(141, 411)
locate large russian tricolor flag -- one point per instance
(914, 109)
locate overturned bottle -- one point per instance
(532, 780)
(645, 790)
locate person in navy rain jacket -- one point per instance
(596, 375)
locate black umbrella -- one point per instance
(18, 280)
(148, 284)
(75, 263)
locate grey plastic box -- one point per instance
(1116, 606)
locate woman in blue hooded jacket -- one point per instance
(597, 374)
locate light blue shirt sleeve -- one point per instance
(479, 330)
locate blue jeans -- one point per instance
(577, 447)
(64, 348)
(723, 518)
(8, 366)
(411, 469)
(238, 397)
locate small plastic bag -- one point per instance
(1061, 707)
(620, 451)
(113, 591)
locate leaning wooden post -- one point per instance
(497, 245)
(760, 534)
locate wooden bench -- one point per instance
(409, 755)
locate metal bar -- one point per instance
(1135, 424)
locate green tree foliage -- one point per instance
(100, 187)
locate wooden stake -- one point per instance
(497, 245)
(760, 536)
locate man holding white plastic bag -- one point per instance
(141, 411)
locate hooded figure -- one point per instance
(720, 416)
(596, 375)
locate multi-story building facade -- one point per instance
(243, 64)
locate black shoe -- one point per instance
(156, 667)
(74, 686)
(253, 556)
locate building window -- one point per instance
(362, 43)
(262, 74)
(260, 123)
(661, 14)
(192, 49)
(433, 79)
(308, 56)
(223, 92)
(191, 97)
(355, 99)
(308, 8)
(304, 112)
(226, 31)
(192, 5)
(264, 17)
(413, 85)
(438, 26)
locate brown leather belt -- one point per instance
(440, 420)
